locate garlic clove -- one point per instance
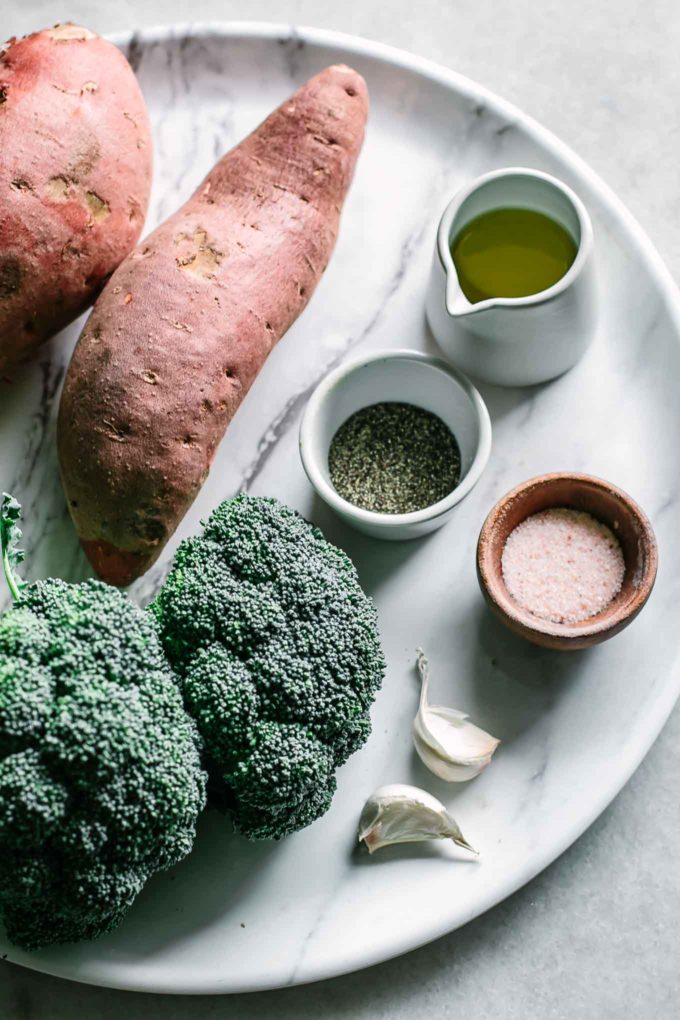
(450, 746)
(447, 724)
(443, 769)
(404, 814)
(447, 743)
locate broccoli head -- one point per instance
(277, 650)
(100, 776)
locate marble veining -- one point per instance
(290, 415)
(573, 727)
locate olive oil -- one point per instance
(511, 253)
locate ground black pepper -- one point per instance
(394, 458)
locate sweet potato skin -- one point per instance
(75, 176)
(184, 325)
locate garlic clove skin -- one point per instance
(450, 746)
(447, 743)
(405, 814)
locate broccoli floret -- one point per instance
(100, 776)
(277, 650)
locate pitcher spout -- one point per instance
(456, 302)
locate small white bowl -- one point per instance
(408, 377)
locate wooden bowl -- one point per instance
(604, 502)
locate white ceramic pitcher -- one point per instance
(515, 341)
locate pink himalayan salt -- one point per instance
(562, 565)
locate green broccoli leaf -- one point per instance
(10, 535)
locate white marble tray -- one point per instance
(238, 916)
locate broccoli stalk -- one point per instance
(10, 535)
(100, 776)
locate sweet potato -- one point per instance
(75, 174)
(185, 324)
